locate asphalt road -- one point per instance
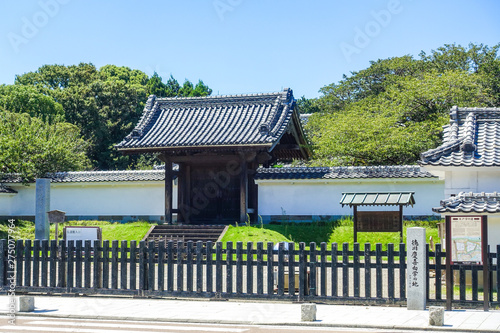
(43, 324)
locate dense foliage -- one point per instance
(392, 111)
(104, 103)
(31, 147)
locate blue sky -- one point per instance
(236, 46)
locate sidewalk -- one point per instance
(262, 313)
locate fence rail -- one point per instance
(334, 273)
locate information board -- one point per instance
(378, 221)
(82, 233)
(466, 241)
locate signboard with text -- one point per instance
(378, 221)
(466, 239)
(82, 233)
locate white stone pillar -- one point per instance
(42, 206)
(416, 282)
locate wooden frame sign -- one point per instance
(467, 241)
(378, 221)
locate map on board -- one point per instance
(466, 243)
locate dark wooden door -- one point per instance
(215, 195)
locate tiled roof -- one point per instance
(343, 172)
(100, 176)
(212, 121)
(7, 190)
(377, 199)
(471, 139)
(471, 203)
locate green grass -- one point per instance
(110, 231)
(318, 232)
(253, 234)
(344, 233)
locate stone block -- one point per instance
(25, 303)
(436, 315)
(308, 312)
(416, 282)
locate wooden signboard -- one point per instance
(378, 221)
(466, 240)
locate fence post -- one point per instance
(368, 275)
(161, 265)
(27, 262)
(402, 271)
(4, 262)
(270, 269)
(19, 262)
(229, 267)
(62, 265)
(249, 268)
(378, 269)
(97, 265)
(281, 270)
(45, 263)
(355, 268)
(303, 286)
(390, 270)
(345, 269)
(291, 269)
(180, 266)
(209, 279)
(189, 266)
(239, 268)
(143, 270)
(312, 263)
(53, 263)
(170, 266)
(334, 280)
(199, 267)
(218, 268)
(260, 275)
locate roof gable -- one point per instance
(471, 139)
(471, 203)
(215, 121)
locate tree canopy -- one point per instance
(104, 103)
(31, 147)
(392, 111)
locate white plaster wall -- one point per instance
(471, 180)
(306, 197)
(89, 199)
(493, 232)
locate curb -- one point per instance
(230, 322)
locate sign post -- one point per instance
(466, 243)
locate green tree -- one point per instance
(104, 103)
(32, 148)
(26, 99)
(392, 111)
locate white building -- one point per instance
(302, 194)
(469, 161)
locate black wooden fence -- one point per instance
(329, 273)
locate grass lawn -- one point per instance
(110, 231)
(318, 232)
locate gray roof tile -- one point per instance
(259, 119)
(7, 190)
(343, 172)
(100, 176)
(468, 202)
(471, 139)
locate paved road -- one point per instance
(40, 325)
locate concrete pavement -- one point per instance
(262, 313)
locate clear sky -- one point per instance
(236, 46)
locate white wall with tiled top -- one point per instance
(319, 198)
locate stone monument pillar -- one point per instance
(42, 206)
(416, 282)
